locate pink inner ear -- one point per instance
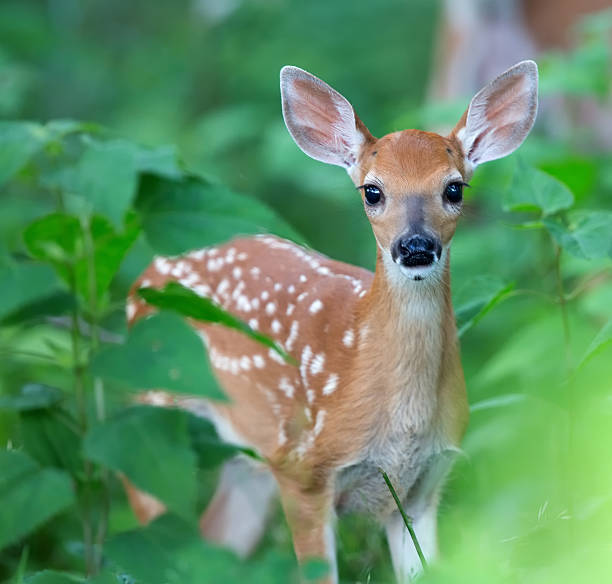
(500, 118)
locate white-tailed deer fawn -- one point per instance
(379, 382)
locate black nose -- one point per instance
(416, 250)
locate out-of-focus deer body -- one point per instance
(378, 382)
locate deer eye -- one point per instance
(372, 194)
(453, 192)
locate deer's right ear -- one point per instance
(321, 121)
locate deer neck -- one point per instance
(405, 337)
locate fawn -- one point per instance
(379, 382)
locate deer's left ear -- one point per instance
(500, 115)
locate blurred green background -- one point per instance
(531, 499)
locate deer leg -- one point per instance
(311, 521)
(145, 506)
(406, 562)
(236, 516)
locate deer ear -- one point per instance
(500, 115)
(322, 122)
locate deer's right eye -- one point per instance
(372, 194)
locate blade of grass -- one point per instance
(405, 517)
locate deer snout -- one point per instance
(416, 250)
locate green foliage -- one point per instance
(160, 351)
(186, 302)
(151, 447)
(30, 495)
(84, 211)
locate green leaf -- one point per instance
(30, 495)
(106, 176)
(53, 577)
(54, 304)
(210, 450)
(191, 213)
(32, 396)
(161, 351)
(186, 302)
(62, 240)
(163, 161)
(584, 234)
(535, 190)
(19, 141)
(152, 447)
(602, 340)
(52, 437)
(23, 283)
(477, 297)
(500, 401)
(171, 551)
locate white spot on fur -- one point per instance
(349, 338)
(270, 308)
(320, 421)
(302, 296)
(130, 310)
(259, 361)
(162, 265)
(265, 295)
(276, 326)
(315, 307)
(310, 395)
(242, 256)
(254, 324)
(276, 357)
(145, 283)
(237, 273)
(286, 387)
(303, 278)
(317, 364)
(290, 309)
(245, 363)
(278, 287)
(331, 384)
(293, 333)
(291, 289)
(304, 362)
(255, 272)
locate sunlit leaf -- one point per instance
(181, 215)
(602, 340)
(151, 447)
(500, 401)
(477, 297)
(585, 234)
(30, 495)
(534, 190)
(176, 297)
(161, 351)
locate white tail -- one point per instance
(379, 381)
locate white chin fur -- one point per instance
(417, 272)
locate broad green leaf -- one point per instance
(23, 283)
(53, 577)
(30, 495)
(170, 551)
(151, 447)
(476, 298)
(179, 215)
(19, 141)
(602, 340)
(176, 297)
(63, 241)
(534, 190)
(106, 176)
(163, 161)
(33, 396)
(54, 304)
(161, 351)
(52, 437)
(584, 234)
(209, 448)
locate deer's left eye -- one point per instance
(453, 192)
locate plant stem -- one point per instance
(407, 521)
(563, 307)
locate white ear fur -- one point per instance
(321, 121)
(501, 115)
